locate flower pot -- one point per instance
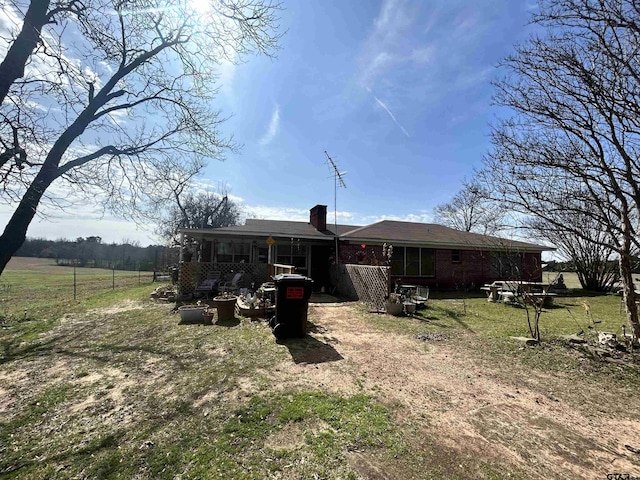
(208, 317)
(393, 308)
(226, 307)
(409, 308)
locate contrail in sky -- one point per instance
(381, 103)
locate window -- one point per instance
(413, 261)
(455, 256)
(293, 254)
(397, 261)
(224, 252)
(231, 252)
(241, 252)
(427, 262)
(261, 254)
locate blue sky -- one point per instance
(397, 92)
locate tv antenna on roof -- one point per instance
(337, 179)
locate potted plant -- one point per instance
(225, 304)
(393, 304)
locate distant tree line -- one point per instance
(92, 252)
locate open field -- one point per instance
(570, 278)
(114, 387)
(42, 283)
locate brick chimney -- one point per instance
(318, 217)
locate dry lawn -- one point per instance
(123, 391)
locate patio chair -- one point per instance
(231, 286)
(210, 285)
(421, 296)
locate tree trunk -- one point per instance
(12, 67)
(15, 232)
(629, 293)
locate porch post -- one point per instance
(181, 247)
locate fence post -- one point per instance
(74, 283)
(113, 278)
(139, 277)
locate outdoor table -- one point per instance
(528, 286)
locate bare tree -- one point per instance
(573, 143)
(471, 210)
(39, 14)
(121, 91)
(198, 210)
(590, 252)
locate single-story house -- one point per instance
(423, 254)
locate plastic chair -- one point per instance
(231, 286)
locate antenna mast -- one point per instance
(337, 178)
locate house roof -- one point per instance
(399, 233)
(432, 234)
(274, 228)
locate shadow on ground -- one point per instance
(310, 350)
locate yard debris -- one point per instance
(608, 339)
(432, 336)
(632, 449)
(146, 445)
(165, 293)
(529, 342)
(573, 339)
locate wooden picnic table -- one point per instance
(530, 286)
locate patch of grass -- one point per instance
(296, 431)
(486, 329)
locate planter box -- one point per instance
(191, 313)
(409, 308)
(243, 310)
(394, 308)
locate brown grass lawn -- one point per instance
(114, 387)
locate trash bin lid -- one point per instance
(291, 277)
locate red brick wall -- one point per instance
(533, 267)
(354, 253)
(474, 267)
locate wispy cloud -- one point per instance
(382, 50)
(274, 127)
(421, 217)
(393, 117)
(266, 212)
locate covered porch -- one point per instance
(208, 254)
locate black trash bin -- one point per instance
(292, 302)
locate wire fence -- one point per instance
(71, 283)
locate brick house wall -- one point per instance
(354, 253)
(469, 268)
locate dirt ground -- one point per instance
(545, 426)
